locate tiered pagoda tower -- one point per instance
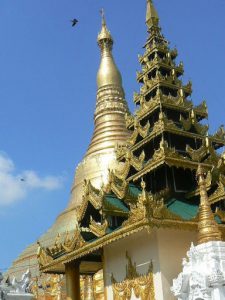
(148, 210)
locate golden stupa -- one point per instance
(109, 132)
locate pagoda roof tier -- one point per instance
(160, 128)
(178, 103)
(164, 81)
(157, 63)
(104, 202)
(163, 125)
(147, 132)
(142, 95)
(163, 155)
(155, 47)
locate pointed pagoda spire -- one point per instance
(208, 229)
(108, 73)
(152, 18)
(111, 106)
(105, 34)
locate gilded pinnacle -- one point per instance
(208, 229)
(108, 73)
(105, 34)
(152, 18)
(110, 128)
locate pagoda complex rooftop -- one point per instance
(156, 187)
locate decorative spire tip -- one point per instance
(152, 18)
(105, 33)
(208, 229)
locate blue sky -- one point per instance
(48, 87)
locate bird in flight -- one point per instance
(74, 22)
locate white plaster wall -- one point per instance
(172, 247)
(142, 248)
(165, 247)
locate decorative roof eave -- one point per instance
(139, 130)
(117, 235)
(160, 127)
(97, 229)
(114, 236)
(92, 195)
(163, 48)
(177, 103)
(170, 161)
(218, 195)
(148, 213)
(131, 161)
(159, 82)
(157, 63)
(164, 154)
(192, 121)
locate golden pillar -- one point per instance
(72, 271)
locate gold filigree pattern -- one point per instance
(61, 246)
(201, 109)
(149, 206)
(43, 257)
(77, 241)
(98, 229)
(198, 154)
(219, 194)
(139, 130)
(95, 196)
(131, 160)
(220, 134)
(192, 121)
(129, 120)
(141, 285)
(116, 183)
(92, 195)
(53, 286)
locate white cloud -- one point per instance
(16, 186)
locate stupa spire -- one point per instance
(152, 18)
(111, 107)
(109, 121)
(108, 73)
(105, 33)
(208, 229)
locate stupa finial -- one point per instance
(102, 12)
(208, 229)
(108, 73)
(152, 18)
(105, 34)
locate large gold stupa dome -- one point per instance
(109, 131)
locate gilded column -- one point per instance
(72, 281)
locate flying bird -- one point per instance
(22, 179)
(74, 22)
